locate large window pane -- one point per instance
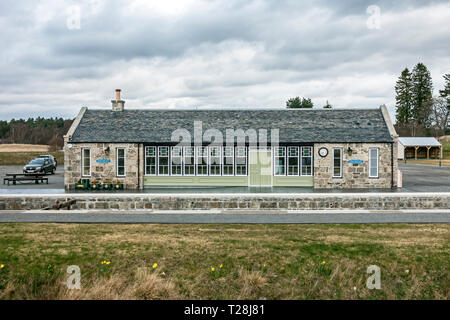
(176, 161)
(189, 161)
(202, 161)
(293, 161)
(215, 163)
(228, 161)
(163, 161)
(150, 160)
(306, 161)
(280, 161)
(241, 161)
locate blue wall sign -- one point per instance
(103, 161)
(355, 161)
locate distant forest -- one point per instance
(35, 131)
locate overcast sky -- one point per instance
(185, 54)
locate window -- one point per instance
(280, 161)
(292, 161)
(163, 161)
(241, 161)
(150, 161)
(337, 163)
(202, 161)
(176, 161)
(120, 162)
(189, 161)
(306, 161)
(215, 161)
(86, 162)
(373, 162)
(228, 161)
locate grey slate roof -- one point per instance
(295, 126)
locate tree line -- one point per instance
(35, 131)
(418, 111)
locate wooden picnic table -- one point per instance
(14, 177)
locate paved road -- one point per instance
(246, 218)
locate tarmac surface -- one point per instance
(334, 217)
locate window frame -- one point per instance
(236, 164)
(197, 163)
(194, 164)
(155, 149)
(124, 162)
(377, 163)
(311, 153)
(288, 157)
(174, 165)
(225, 157)
(275, 156)
(341, 156)
(210, 164)
(82, 162)
(168, 161)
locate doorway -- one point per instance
(260, 168)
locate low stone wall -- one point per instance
(379, 201)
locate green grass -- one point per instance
(22, 158)
(270, 261)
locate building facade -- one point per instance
(337, 148)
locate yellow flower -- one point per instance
(323, 262)
(265, 265)
(107, 262)
(212, 269)
(155, 265)
(221, 266)
(2, 266)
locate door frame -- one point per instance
(257, 150)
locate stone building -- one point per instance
(326, 148)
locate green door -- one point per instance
(260, 168)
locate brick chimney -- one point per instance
(118, 105)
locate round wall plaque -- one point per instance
(323, 152)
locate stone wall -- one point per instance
(103, 172)
(123, 201)
(354, 175)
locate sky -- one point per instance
(60, 55)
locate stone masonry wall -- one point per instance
(99, 171)
(353, 175)
(122, 201)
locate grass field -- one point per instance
(258, 261)
(23, 148)
(22, 158)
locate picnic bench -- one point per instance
(22, 177)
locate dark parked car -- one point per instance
(39, 165)
(51, 158)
